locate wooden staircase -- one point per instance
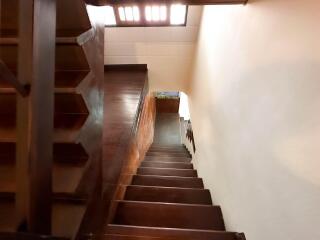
(167, 200)
(77, 98)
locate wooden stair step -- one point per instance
(168, 150)
(168, 194)
(179, 165)
(167, 172)
(167, 146)
(167, 181)
(128, 237)
(171, 215)
(167, 154)
(167, 233)
(168, 159)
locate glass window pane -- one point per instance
(136, 14)
(122, 14)
(129, 14)
(155, 13)
(178, 14)
(110, 17)
(163, 13)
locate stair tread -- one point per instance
(197, 234)
(167, 172)
(177, 165)
(168, 194)
(167, 159)
(175, 215)
(167, 181)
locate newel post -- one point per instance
(35, 113)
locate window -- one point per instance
(146, 15)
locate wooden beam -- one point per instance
(35, 115)
(188, 2)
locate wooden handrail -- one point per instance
(10, 78)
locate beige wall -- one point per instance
(168, 51)
(255, 108)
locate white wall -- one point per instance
(255, 109)
(168, 51)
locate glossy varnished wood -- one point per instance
(77, 54)
(179, 165)
(167, 181)
(167, 233)
(166, 200)
(167, 172)
(168, 194)
(128, 128)
(168, 215)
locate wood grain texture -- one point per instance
(128, 128)
(74, 52)
(168, 105)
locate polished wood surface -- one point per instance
(128, 128)
(161, 204)
(178, 165)
(168, 194)
(38, 136)
(169, 233)
(168, 105)
(74, 52)
(167, 215)
(167, 129)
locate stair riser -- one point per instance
(167, 165)
(169, 195)
(168, 182)
(167, 151)
(167, 172)
(169, 215)
(167, 159)
(161, 154)
(166, 233)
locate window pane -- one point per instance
(155, 13)
(178, 14)
(163, 13)
(110, 17)
(129, 14)
(122, 14)
(148, 13)
(136, 14)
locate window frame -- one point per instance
(143, 22)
